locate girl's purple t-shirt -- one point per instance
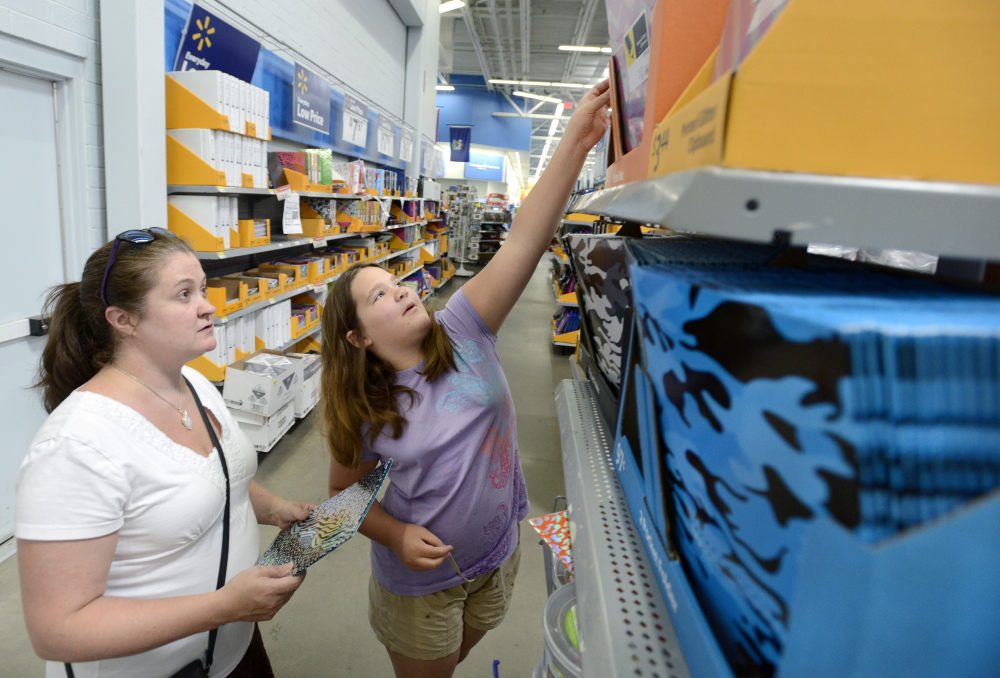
(456, 471)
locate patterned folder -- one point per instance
(329, 525)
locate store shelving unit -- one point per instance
(851, 211)
(624, 622)
(945, 219)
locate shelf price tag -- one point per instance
(291, 222)
(406, 146)
(386, 138)
(355, 128)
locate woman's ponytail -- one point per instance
(77, 347)
(80, 339)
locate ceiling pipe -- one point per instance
(510, 35)
(498, 38)
(584, 21)
(470, 25)
(525, 7)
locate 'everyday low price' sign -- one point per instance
(310, 100)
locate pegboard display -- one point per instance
(625, 627)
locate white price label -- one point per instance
(283, 192)
(386, 138)
(319, 242)
(385, 141)
(355, 129)
(291, 221)
(355, 122)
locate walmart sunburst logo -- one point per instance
(204, 30)
(302, 80)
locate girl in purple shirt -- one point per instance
(429, 392)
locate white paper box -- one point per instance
(263, 431)
(258, 393)
(308, 396)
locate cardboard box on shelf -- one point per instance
(265, 432)
(258, 393)
(873, 88)
(307, 397)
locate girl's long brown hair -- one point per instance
(360, 396)
(80, 340)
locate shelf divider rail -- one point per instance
(624, 624)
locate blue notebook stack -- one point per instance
(788, 395)
(566, 319)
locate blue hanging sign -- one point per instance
(461, 140)
(310, 100)
(209, 43)
(484, 166)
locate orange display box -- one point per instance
(874, 88)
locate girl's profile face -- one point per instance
(390, 313)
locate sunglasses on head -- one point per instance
(136, 237)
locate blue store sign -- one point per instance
(484, 166)
(310, 100)
(210, 44)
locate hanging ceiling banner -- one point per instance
(406, 146)
(209, 43)
(310, 100)
(386, 135)
(461, 141)
(355, 122)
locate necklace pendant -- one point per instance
(185, 419)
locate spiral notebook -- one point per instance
(329, 525)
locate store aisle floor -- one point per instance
(323, 631)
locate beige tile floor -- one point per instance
(323, 631)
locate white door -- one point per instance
(31, 237)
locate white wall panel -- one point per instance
(70, 26)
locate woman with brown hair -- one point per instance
(429, 391)
(126, 500)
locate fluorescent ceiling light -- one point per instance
(444, 88)
(571, 84)
(537, 83)
(504, 82)
(585, 48)
(553, 127)
(450, 5)
(529, 95)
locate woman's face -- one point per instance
(390, 313)
(178, 322)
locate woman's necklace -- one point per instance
(185, 419)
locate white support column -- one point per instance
(419, 103)
(132, 45)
